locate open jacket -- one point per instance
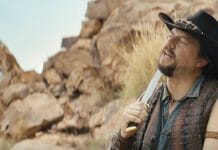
(185, 130)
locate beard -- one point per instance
(167, 70)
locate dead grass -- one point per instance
(142, 61)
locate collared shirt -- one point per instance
(166, 121)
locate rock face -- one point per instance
(24, 118)
(77, 90)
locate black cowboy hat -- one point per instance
(204, 28)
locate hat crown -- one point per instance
(206, 23)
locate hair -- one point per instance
(210, 70)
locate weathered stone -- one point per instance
(138, 12)
(77, 56)
(52, 77)
(97, 9)
(5, 81)
(57, 89)
(63, 99)
(15, 91)
(82, 44)
(58, 141)
(83, 80)
(36, 144)
(38, 87)
(35, 112)
(111, 44)
(28, 77)
(67, 42)
(113, 4)
(90, 28)
(77, 124)
(8, 62)
(2, 107)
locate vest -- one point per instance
(187, 130)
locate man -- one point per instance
(179, 110)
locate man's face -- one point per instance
(180, 54)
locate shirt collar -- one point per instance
(193, 92)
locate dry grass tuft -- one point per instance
(142, 61)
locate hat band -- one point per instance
(188, 25)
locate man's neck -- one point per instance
(180, 85)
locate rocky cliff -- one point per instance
(74, 103)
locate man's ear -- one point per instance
(202, 62)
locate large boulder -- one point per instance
(35, 112)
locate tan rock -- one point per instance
(36, 144)
(2, 107)
(38, 87)
(112, 42)
(15, 91)
(5, 81)
(76, 124)
(63, 99)
(59, 141)
(97, 9)
(113, 4)
(35, 112)
(8, 62)
(28, 77)
(57, 89)
(77, 56)
(83, 80)
(52, 77)
(138, 12)
(82, 44)
(90, 28)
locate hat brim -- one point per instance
(171, 24)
